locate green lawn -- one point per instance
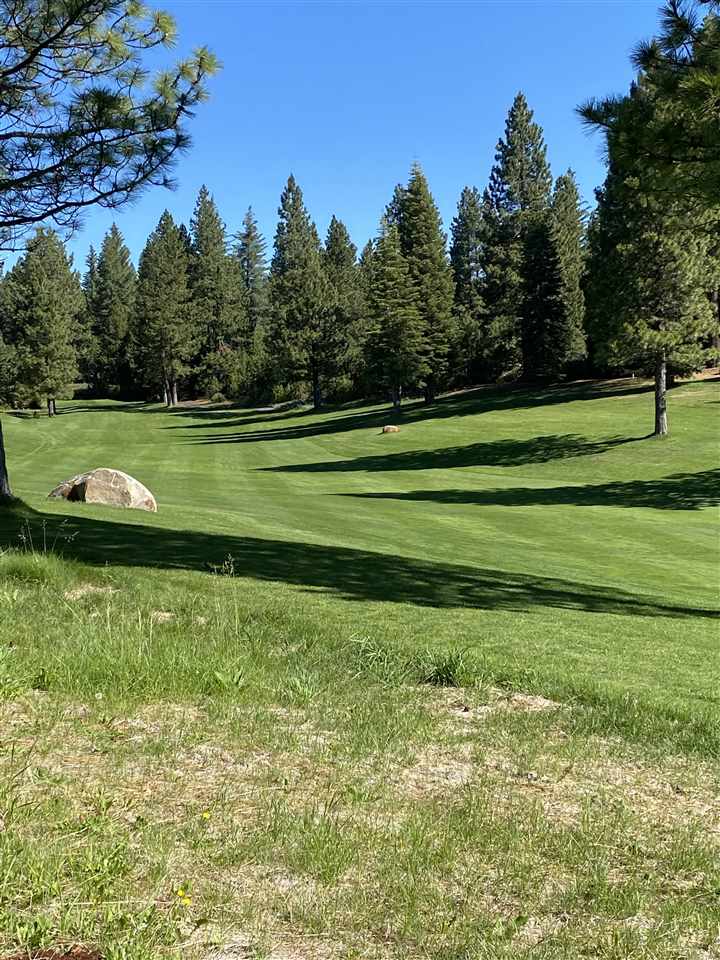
(542, 531)
(451, 693)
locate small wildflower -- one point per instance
(206, 815)
(180, 892)
(186, 901)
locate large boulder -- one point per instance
(112, 488)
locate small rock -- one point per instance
(390, 428)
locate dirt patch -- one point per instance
(437, 771)
(85, 589)
(532, 703)
(62, 953)
(457, 703)
(308, 947)
(162, 616)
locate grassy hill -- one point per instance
(282, 636)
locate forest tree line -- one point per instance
(526, 286)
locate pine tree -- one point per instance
(342, 272)
(250, 249)
(565, 337)
(8, 372)
(40, 302)
(516, 205)
(300, 300)
(423, 246)
(674, 140)
(90, 277)
(396, 348)
(168, 333)
(87, 345)
(112, 307)
(466, 258)
(362, 376)
(649, 274)
(218, 302)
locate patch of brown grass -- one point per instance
(86, 589)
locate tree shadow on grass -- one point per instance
(496, 453)
(680, 491)
(339, 571)
(100, 406)
(469, 403)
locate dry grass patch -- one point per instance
(87, 589)
(505, 830)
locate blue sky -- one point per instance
(348, 95)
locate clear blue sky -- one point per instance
(348, 95)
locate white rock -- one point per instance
(112, 488)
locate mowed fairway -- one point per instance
(542, 531)
(446, 694)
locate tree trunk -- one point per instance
(49, 407)
(174, 393)
(396, 397)
(661, 423)
(54, 407)
(429, 393)
(5, 491)
(166, 395)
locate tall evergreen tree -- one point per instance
(112, 305)
(39, 305)
(362, 374)
(87, 348)
(168, 332)
(342, 272)
(250, 249)
(650, 271)
(302, 317)
(8, 370)
(564, 340)
(516, 205)
(423, 246)
(396, 347)
(217, 300)
(90, 277)
(466, 258)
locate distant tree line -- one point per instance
(527, 288)
(209, 314)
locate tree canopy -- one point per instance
(80, 121)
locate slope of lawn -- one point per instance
(543, 531)
(446, 694)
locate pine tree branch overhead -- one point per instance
(81, 121)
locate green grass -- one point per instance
(290, 692)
